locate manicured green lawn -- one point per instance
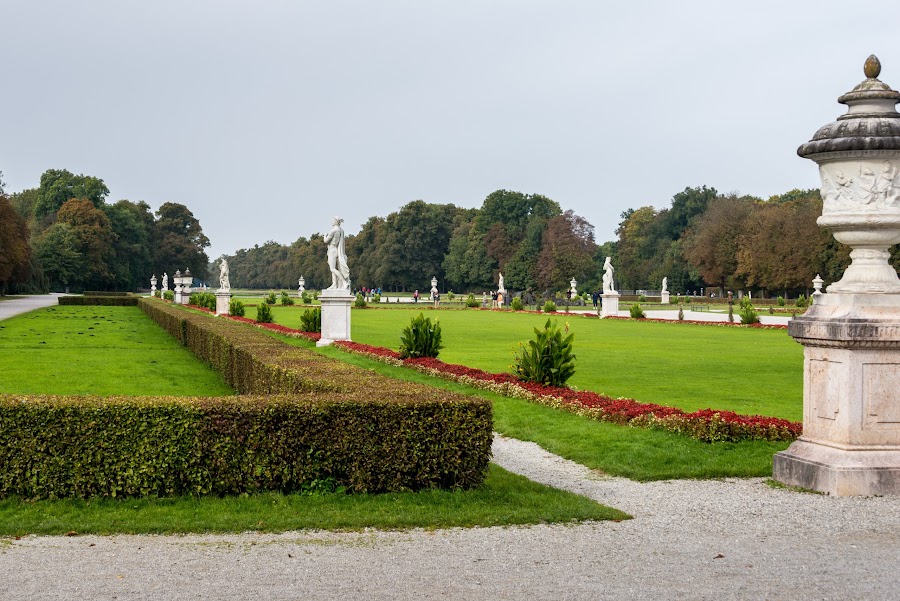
(98, 350)
(118, 350)
(692, 367)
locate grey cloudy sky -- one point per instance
(266, 118)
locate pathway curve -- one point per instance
(723, 539)
(23, 304)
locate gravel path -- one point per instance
(24, 304)
(729, 539)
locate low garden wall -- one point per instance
(301, 422)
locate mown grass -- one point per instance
(119, 350)
(503, 499)
(635, 453)
(750, 371)
(98, 350)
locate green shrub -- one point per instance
(376, 298)
(360, 302)
(104, 293)
(311, 320)
(747, 312)
(471, 302)
(236, 307)
(169, 295)
(642, 299)
(450, 295)
(157, 293)
(264, 313)
(316, 294)
(516, 304)
(636, 311)
(680, 314)
(207, 300)
(421, 338)
(549, 307)
(687, 300)
(548, 358)
(771, 311)
(305, 298)
(270, 299)
(801, 302)
(780, 301)
(104, 301)
(286, 300)
(730, 313)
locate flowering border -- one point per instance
(709, 425)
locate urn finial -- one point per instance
(872, 68)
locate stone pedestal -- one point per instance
(335, 315)
(664, 297)
(851, 397)
(223, 299)
(610, 306)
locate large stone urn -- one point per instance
(851, 335)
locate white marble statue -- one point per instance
(608, 276)
(337, 257)
(165, 284)
(500, 287)
(665, 287)
(224, 283)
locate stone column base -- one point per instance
(223, 298)
(610, 306)
(665, 297)
(335, 315)
(838, 472)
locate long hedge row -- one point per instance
(104, 301)
(302, 421)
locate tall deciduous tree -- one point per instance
(57, 251)
(94, 242)
(132, 224)
(178, 241)
(15, 253)
(567, 251)
(59, 186)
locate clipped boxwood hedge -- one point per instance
(53, 447)
(302, 421)
(105, 301)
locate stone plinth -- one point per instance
(223, 299)
(851, 397)
(664, 297)
(610, 307)
(335, 315)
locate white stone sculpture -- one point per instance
(665, 285)
(572, 288)
(500, 287)
(224, 283)
(608, 276)
(165, 282)
(337, 257)
(301, 285)
(153, 285)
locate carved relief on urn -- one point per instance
(859, 165)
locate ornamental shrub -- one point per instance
(360, 302)
(207, 300)
(264, 313)
(421, 338)
(517, 304)
(376, 298)
(780, 301)
(548, 358)
(286, 299)
(680, 314)
(471, 302)
(636, 311)
(106, 301)
(747, 312)
(311, 320)
(801, 303)
(270, 299)
(157, 293)
(305, 298)
(642, 299)
(549, 307)
(236, 307)
(169, 295)
(450, 295)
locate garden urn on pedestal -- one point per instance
(177, 280)
(186, 280)
(851, 334)
(153, 285)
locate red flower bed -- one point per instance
(274, 327)
(758, 326)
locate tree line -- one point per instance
(63, 234)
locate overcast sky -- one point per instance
(266, 118)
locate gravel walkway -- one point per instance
(23, 304)
(729, 539)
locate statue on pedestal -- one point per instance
(224, 284)
(608, 276)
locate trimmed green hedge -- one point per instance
(104, 293)
(84, 447)
(302, 422)
(105, 301)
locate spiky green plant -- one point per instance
(311, 320)
(421, 338)
(548, 358)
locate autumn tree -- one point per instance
(15, 253)
(178, 241)
(94, 242)
(567, 251)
